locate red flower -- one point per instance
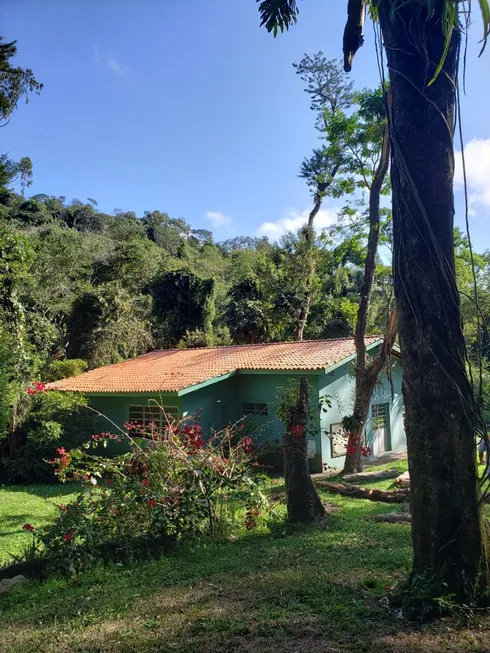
(36, 387)
(62, 506)
(152, 502)
(68, 537)
(28, 527)
(247, 444)
(145, 482)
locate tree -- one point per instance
(182, 302)
(15, 82)
(450, 536)
(13, 172)
(246, 314)
(108, 325)
(368, 141)
(302, 500)
(330, 94)
(83, 217)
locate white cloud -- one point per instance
(477, 163)
(218, 219)
(294, 220)
(119, 69)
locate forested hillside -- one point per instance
(100, 287)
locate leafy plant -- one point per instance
(172, 486)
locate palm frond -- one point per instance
(485, 12)
(278, 14)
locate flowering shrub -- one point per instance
(172, 485)
(35, 387)
(353, 440)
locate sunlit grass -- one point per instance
(20, 504)
(313, 589)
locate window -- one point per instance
(152, 414)
(338, 441)
(254, 409)
(378, 413)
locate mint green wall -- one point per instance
(339, 386)
(114, 411)
(215, 404)
(221, 403)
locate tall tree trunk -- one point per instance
(304, 310)
(450, 535)
(367, 373)
(303, 502)
(366, 379)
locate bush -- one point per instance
(170, 487)
(57, 419)
(24, 469)
(64, 369)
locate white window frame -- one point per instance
(338, 448)
(379, 416)
(152, 414)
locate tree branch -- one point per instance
(353, 32)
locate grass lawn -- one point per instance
(27, 503)
(301, 590)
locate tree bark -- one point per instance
(449, 533)
(355, 492)
(302, 500)
(371, 476)
(309, 237)
(394, 518)
(353, 33)
(367, 373)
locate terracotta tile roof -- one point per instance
(176, 369)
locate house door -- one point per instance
(380, 425)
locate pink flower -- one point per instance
(62, 506)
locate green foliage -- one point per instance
(62, 369)
(246, 313)
(182, 302)
(6, 390)
(287, 397)
(15, 82)
(108, 325)
(56, 419)
(278, 14)
(171, 487)
(425, 597)
(12, 172)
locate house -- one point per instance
(224, 384)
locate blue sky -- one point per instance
(188, 107)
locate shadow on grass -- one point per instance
(300, 589)
(45, 491)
